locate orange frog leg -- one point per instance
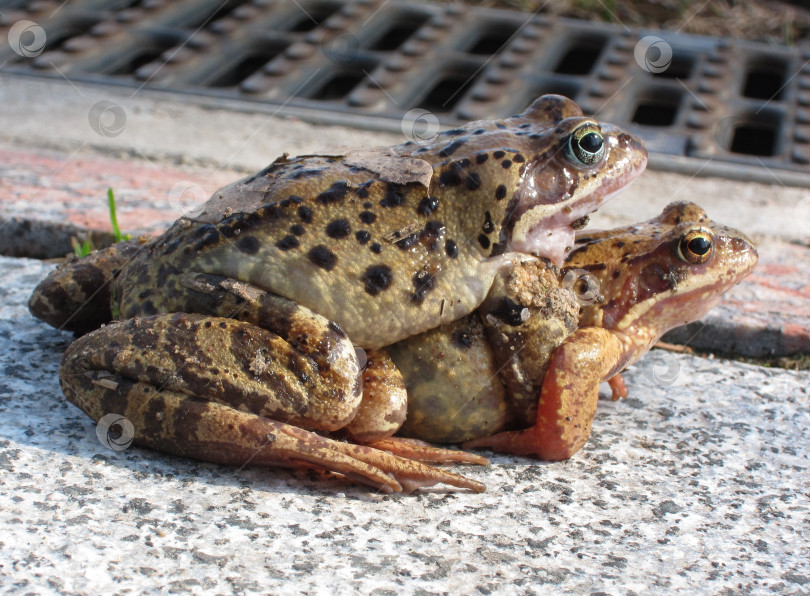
(567, 399)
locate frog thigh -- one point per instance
(225, 361)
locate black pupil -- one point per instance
(699, 246)
(591, 142)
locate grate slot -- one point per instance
(448, 90)
(335, 86)
(681, 66)
(491, 39)
(755, 134)
(247, 65)
(398, 32)
(764, 78)
(658, 107)
(581, 55)
(314, 14)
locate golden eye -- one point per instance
(695, 246)
(586, 145)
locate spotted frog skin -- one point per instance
(238, 326)
(634, 284)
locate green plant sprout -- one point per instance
(82, 249)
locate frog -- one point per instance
(626, 287)
(252, 317)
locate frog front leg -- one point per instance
(231, 392)
(568, 397)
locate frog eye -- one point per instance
(695, 246)
(586, 145)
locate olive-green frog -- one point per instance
(239, 326)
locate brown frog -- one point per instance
(238, 326)
(524, 362)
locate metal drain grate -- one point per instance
(372, 61)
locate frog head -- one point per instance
(577, 165)
(659, 274)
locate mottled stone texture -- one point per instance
(699, 481)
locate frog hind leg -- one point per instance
(567, 401)
(150, 371)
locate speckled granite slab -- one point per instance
(698, 482)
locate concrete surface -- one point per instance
(698, 482)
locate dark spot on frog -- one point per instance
(362, 236)
(362, 191)
(287, 243)
(473, 181)
(618, 244)
(297, 229)
(483, 241)
(452, 148)
(509, 312)
(166, 272)
(451, 248)
(208, 236)
(506, 163)
(305, 213)
(481, 158)
(339, 228)
(408, 241)
(526, 125)
(367, 217)
(518, 158)
(145, 294)
(367, 205)
(454, 132)
(462, 339)
(377, 278)
(376, 248)
(433, 228)
(500, 192)
(488, 227)
(452, 176)
(392, 199)
(500, 125)
(148, 308)
(427, 206)
(498, 154)
(295, 199)
(249, 245)
(423, 283)
(616, 274)
(322, 257)
(480, 131)
(335, 193)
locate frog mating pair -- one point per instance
(329, 298)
